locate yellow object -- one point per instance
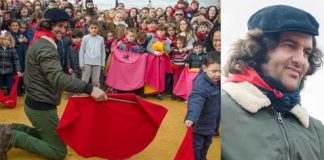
(194, 70)
(158, 46)
(149, 90)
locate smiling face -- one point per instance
(288, 62)
(59, 29)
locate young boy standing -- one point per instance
(204, 105)
(92, 54)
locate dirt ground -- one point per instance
(163, 147)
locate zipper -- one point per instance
(280, 120)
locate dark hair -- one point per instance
(151, 20)
(141, 35)
(13, 21)
(145, 8)
(183, 39)
(93, 22)
(197, 43)
(76, 33)
(211, 58)
(45, 24)
(20, 7)
(131, 30)
(252, 52)
(209, 40)
(162, 27)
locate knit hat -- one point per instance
(89, 1)
(56, 15)
(280, 18)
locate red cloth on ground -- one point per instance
(186, 151)
(250, 75)
(126, 74)
(111, 129)
(156, 68)
(10, 101)
(184, 85)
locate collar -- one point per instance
(254, 100)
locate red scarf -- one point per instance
(250, 75)
(150, 31)
(79, 25)
(201, 36)
(76, 46)
(40, 33)
(163, 38)
(32, 25)
(109, 42)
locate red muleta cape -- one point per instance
(114, 129)
(10, 101)
(126, 70)
(186, 151)
(184, 85)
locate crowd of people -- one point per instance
(33, 32)
(184, 29)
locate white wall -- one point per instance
(235, 15)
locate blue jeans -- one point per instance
(201, 144)
(8, 79)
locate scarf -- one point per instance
(109, 42)
(76, 46)
(40, 33)
(161, 39)
(150, 31)
(281, 100)
(201, 36)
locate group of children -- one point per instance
(85, 49)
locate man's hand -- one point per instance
(188, 123)
(98, 94)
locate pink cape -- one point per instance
(184, 85)
(10, 101)
(156, 68)
(126, 70)
(186, 151)
(115, 129)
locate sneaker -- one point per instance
(159, 96)
(5, 135)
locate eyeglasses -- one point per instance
(179, 14)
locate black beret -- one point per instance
(280, 18)
(55, 15)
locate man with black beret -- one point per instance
(44, 80)
(262, 117)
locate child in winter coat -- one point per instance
(9, 60)
(204, 105)
(73, 55)
(197, 56)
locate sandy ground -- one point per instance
(163, 147)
